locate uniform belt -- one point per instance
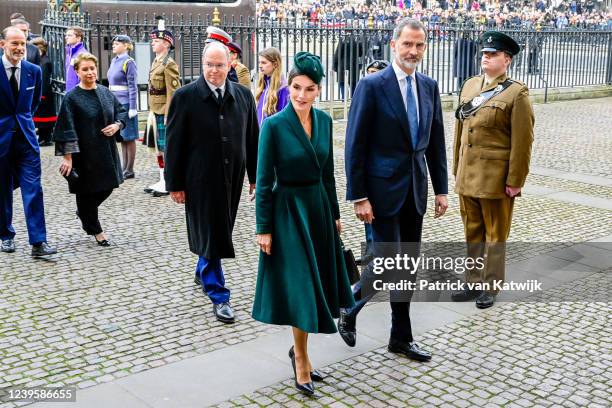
(298, 183)
(153, 91)
(118, 87)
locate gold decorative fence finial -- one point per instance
(216, 20)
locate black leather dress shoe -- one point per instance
(159, 193)
(315, 375)
(485, 300)
(307, 388)
(410, 350)
(43, 249)
(465, 295)
(8, 246)
(223, 312)
(128, 175)
(346, 328)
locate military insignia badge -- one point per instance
(490, 40)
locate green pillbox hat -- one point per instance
(310, 65)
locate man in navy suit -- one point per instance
(394, 134)
(20, 90)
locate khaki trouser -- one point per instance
(486, 224)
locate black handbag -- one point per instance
(351, 265)
(72, 178)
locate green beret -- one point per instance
(310, 65)
(495, 41)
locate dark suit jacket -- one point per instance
(22, 110)
(380, 161)
(33, 54)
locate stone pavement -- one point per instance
(93, 315)
(546, 354)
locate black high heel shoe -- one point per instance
(307, 388)
(103, 242)
(315, 375)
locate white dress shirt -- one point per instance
(214, 88)
(401, 79)
(7, 67)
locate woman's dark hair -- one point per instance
(41, 44)
(295, 73)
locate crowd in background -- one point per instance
(574, 14)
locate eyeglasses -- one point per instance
(215, 66)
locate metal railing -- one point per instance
(547, 58)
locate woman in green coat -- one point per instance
(302, 280)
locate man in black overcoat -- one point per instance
(348, 57)
(211, 139)
(464, 62)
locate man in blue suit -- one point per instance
(395, 133)
(20, 90)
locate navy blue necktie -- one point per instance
(411, 110)
(13, 82)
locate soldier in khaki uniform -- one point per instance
(493, 138)
(164, 80)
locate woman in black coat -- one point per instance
(45, 117)
(89, 119)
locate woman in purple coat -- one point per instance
(74, 47)
(272, 94)
(122, 83)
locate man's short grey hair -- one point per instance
(215, 45)
(410, 23)
(7, 30)
(18, 21)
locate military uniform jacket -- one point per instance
(164, 80)
(492, 147)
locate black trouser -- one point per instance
(44, 134)
(406, 226)
(87, 210)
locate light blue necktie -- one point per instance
(411, 110)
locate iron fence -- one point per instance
(547, 58)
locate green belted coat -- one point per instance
(304, 282)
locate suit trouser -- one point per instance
(210, 273)
(486, 224)
(406, 226)
(87, 206)
(22, 164)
